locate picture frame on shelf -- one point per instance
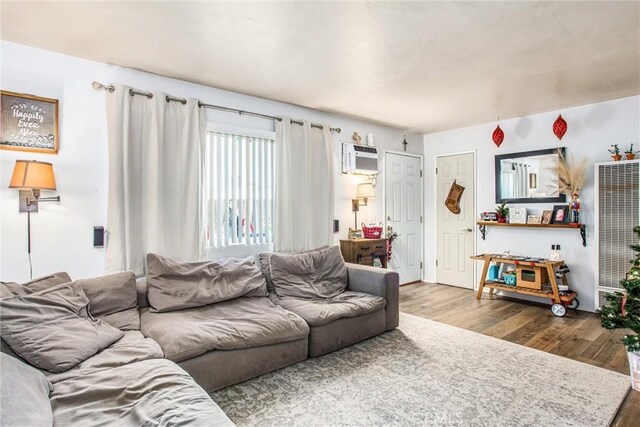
(489, 216)
(534, 219)
(546, 217)
(518, 215)
(560, 214)
(355, 234)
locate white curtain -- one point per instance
(522, 182)
(304, 186)
(154, 202)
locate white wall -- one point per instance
(591, 130)
(62, 233)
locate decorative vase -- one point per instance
(502, 220)
(631, 156)
(616, 157)
(634, 369)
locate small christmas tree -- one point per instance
(622, 309)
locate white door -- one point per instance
(403, 207)
(455, 231)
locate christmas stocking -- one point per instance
(453, 199)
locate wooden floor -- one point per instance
(577, 336)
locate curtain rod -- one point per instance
(132, 92)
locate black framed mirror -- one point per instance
(528, 177)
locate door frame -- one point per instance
(475, 208)
(422, 207)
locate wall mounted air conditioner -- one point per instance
(359, 159)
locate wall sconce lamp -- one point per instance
(363, 194)
(30, 177)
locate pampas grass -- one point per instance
(571, 178)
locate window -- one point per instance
(239, 190)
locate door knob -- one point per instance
(388, 218)
(468, 230)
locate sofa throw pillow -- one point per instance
(263, 263)
(52, 329)
(9, 289)
(176, 284)
(318, 274)
(113, 298)
(24, 394)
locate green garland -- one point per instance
(621, 310)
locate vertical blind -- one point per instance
(238, 190)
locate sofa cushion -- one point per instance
(320, 311)
(321, 273)
(263, 263)
(176, 284)
(24, 394)
(132, 347)
(8, 289)
(239, 323)
(154, 392)
(141, 289)
(52, 329)
(114, 299)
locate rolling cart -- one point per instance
(531, 276)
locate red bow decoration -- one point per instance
(498, 136)
(560, 127)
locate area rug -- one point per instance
(429, 373)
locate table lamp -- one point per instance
(363, 194)
(30, 177)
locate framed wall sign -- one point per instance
(28, 123)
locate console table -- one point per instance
(560, 302)
(364, 251)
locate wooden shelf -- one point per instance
(482, 226)
(510, 224)
(526, 291)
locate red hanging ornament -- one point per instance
(560, 127)
(498, 136)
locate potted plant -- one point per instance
(621, 310)
(630, 153)
(615, 152)
(503, 212)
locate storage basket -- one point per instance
(510, 278)
(372, 232)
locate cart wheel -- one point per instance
(574, 304)
(558, 310)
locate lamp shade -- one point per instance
(365, 191)
(31, 174)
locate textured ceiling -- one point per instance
(426, 66)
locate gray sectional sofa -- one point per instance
(188, 329)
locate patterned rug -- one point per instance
(428, 373)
